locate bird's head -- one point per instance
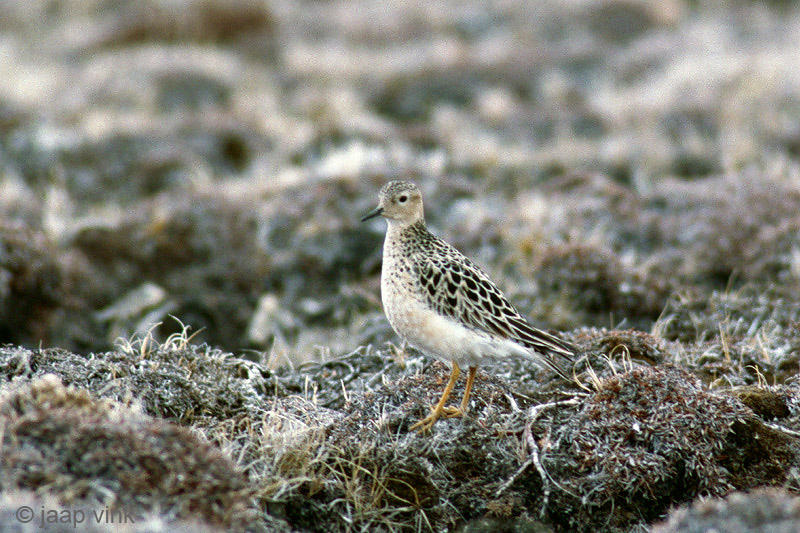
(399, 202)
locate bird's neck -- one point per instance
(397, 229)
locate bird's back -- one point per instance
(450, 284)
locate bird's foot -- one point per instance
(452, 412)
(437, 412)
(425, 424)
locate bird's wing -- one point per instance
(456, 287)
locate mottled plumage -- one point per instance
(443, 304)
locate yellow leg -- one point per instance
(470, 378)
(427, 423)
(451, 412)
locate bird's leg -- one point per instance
(436, 411)
(450, 412)
(468, 390)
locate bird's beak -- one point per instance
(372, 214)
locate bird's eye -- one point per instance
(402, 199)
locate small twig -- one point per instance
(514, 406)
(534, 457)
(510, 481)
(536, 410)
(534, 447)
(782, 429)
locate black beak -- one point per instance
(372, 214)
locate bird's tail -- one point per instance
(555, 353)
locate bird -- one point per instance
(443, 304)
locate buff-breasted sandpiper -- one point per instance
(443, 304)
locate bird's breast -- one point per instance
(420, 325)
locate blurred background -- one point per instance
(610, 163)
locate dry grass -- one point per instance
(628, 173)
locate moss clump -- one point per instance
(653, 436)
(760, 511)
(59, 440)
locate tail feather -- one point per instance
(552, 351)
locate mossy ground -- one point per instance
(626, 171)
